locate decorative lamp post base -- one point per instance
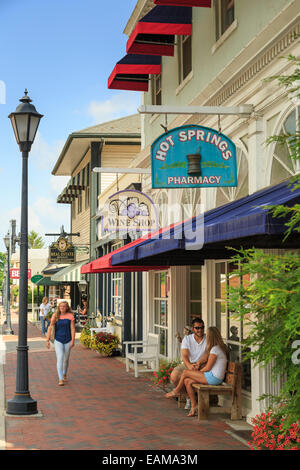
(21, 405)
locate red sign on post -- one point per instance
(14, 273)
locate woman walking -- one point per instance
(63, 322)
(212, 373)
(44, 310)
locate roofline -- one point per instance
(78, 135)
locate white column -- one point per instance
(256, 142)
(177, 306)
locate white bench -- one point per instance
(150, 353)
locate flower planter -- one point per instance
(110, 329)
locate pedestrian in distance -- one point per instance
(45, 308)
(212, 373)
(63, 322)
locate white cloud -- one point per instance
(43, 154)
(119, 105)
(58, 183)
(44, 216)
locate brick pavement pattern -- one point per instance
(102, 407)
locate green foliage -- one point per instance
(2, 267)
(105, 343)
(269, 432)
(162, 376)
(35, 240)
(269, 303)
(291, 83)
(85, 337)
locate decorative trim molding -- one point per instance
(255, 68)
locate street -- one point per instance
(102, 407)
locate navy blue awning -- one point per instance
(245, 220)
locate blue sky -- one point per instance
(63, 52)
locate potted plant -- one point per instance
(162, 376)
(85, 337)
(104, 343)
(272, 432)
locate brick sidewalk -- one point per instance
(101, 408)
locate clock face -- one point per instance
(62, 244)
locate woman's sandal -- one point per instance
(171, 394)
(192, 413)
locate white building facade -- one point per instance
(234, 48)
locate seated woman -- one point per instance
(83, 312)
(212, 373)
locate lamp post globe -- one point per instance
(6, 240)
(25, 121)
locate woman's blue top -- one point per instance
(63, 330)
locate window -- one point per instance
(229, 194)
(162, 207)
(184, 57)
(156, 89)
(116, 288)
(283, 165)
(195, 294)
(233, 331)
(224, 10)
(190, 202)
(161, 294)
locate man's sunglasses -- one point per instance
(198, 327)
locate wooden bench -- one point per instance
(232, 386)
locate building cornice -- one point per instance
(141, 9)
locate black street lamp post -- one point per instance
(8, 330)
(25, 121)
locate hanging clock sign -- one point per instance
(62, 251)
(193, 157)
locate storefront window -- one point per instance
(161, 294)
(232, 330)
(116, 288)
(195, 293)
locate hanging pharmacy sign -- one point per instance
(193, 157)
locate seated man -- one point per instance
(193, 351)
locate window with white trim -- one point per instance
(195, 310)
(233, 331)
(184, 57)
(116, 288)
(229, 194)
(160, 309)
(224, 14)
(156, 89)
(283, 165)
(190, 202)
